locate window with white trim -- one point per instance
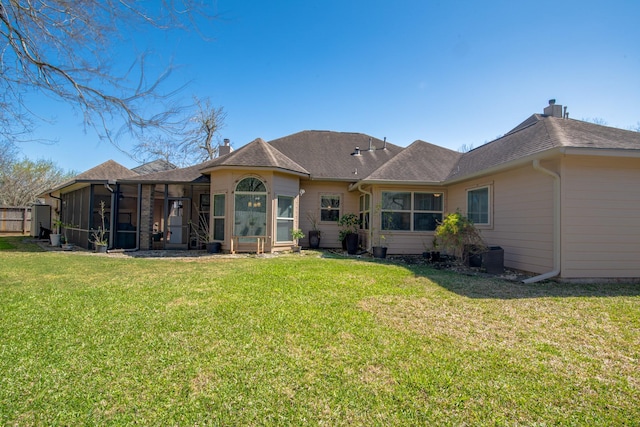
(365, 210)
(411, 211)
(250, 208)
(284, 219)
(218, 216)
(478, 203)
(330, 207)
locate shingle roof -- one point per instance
(104, 172)
(108, 170)
(158, 165)
(540, 133)
(189, 174)
(576, 133)
(256, 154)
(420, 162)
(328, 155)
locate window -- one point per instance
(330, 207)
(365, 209)
(478, 205)
(218, 216)
(284, 219)
(250, 217)
(427, 211)
(411, 211)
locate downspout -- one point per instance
(556, 225)
(370, 230)
(113, 209)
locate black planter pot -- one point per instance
(379, 252)
(352, 243)
(314, 239)
(213, 247)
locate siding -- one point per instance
(600, 217)
(522, 216)
(310, 205)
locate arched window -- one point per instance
(250, 208)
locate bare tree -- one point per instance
(464, 148)
(203, 129)
(192, 140)
(61, 48)
(595, 120)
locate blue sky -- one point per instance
(451, 73)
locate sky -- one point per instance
(453, 73)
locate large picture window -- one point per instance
(411, 211)
(284, 219)
(478, 203)
(330, 207)
(250, 208)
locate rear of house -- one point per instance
(560, 196)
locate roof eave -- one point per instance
(395, 182)
(507, 165)
(209, 170)
(602, 152)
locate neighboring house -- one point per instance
(560, 196)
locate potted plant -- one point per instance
(55, 235)
(349, 232)
(99, 237)
(459, 236)
(202, 232)
(380, 249)
(314, 234)
(66, 244)
(296, 234)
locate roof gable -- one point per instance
(109, 170)
(420, 162)
(256, 154)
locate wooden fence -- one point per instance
(15, 219)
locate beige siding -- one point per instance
(600, 217)
(310, 205)
(522, 216)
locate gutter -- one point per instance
(556, 225)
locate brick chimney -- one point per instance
(553, 109)
(225, 148)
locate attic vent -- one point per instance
(356, 152)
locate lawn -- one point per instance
(306, 340)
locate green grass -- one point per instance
(304, 340)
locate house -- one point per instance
(560, 196)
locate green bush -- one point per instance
(458, 235)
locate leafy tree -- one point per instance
(22, 181)
(61, 49)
